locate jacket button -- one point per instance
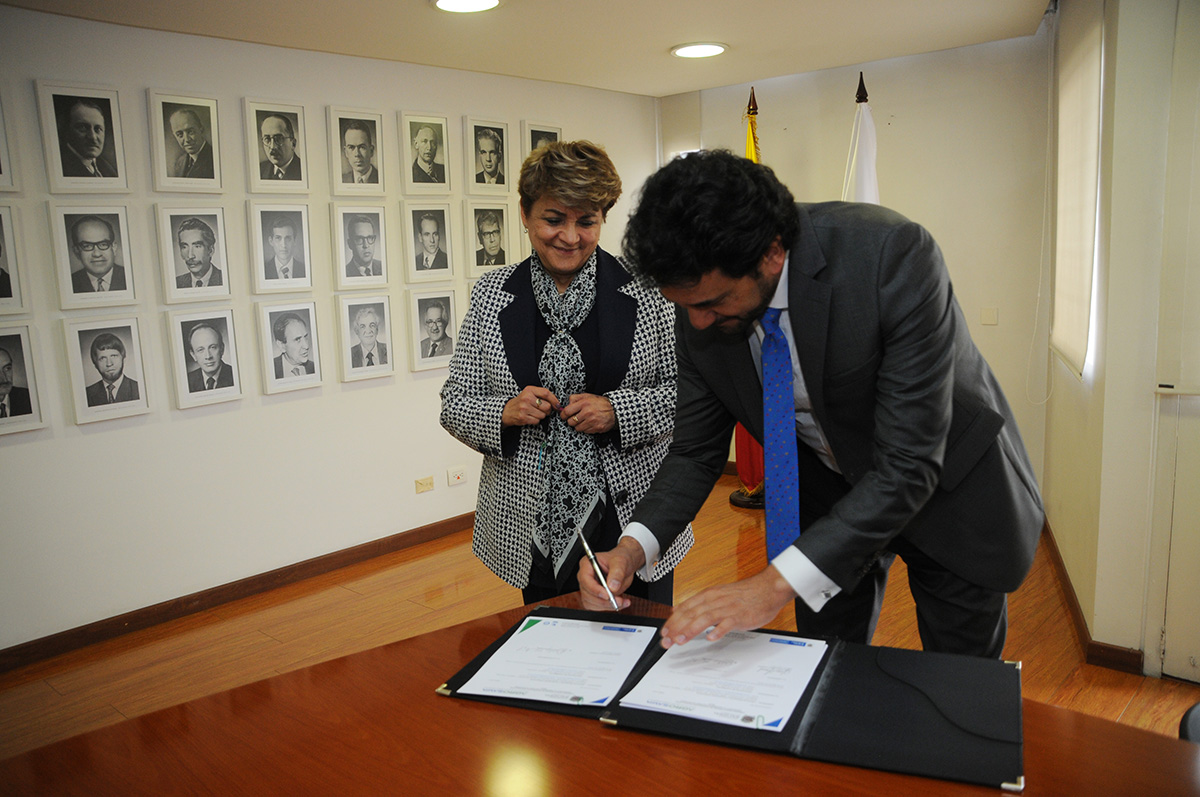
(621, 497)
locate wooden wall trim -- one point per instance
(75, 638)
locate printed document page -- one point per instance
(752, 680)
(578, 662)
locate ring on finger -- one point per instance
(538, 403)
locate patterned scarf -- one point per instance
(574, 477)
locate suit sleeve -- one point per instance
(472, 404)
(646, 409)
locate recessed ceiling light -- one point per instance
(698, 50)
(465, 6)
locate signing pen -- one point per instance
(596, 566)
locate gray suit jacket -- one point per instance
(917, 422)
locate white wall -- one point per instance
(102, 519)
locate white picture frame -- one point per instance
(101, 225)
(204, 349)
(355, 327)
(92, 375)
(418, 219)
(87, 117)
(185, 142)
(188, 227)
(368, 146)
(288, 131)
(419, 303)
(269, 241)
(491, 135)
(482, 213)
(12, 282)
(24, 404)
(8, 168)
(352, 246)
(533, 134)
(276, 355)
(414, 144)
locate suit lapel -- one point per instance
(516, 327)
(808, 308)
(616, 313)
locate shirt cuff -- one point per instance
(811, 585)
(649, 545)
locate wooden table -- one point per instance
(371, 723)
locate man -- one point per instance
(291, 332)
(361, 238)
(487, 227)
(14, 400)
(279, 144)
(368, 351)
(197, 242)
(429, 234)
(108, 355)
(425, 168)
(206, 347)
(283, 263)
(359, 150)
(81, 136)
(94, 243)
(437, 343)
(196, 162)
(489, 151)
(904, 444)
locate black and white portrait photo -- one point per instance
(288, 333)
(107, 372)
(204, 354)
(426, 166)
(11, 293)
(193, 253)
(430, 236)
(536, 134)
(490, 234)
(360, 248)
(276, 143)
(94, 259)
(433, 328)
(366, 335)
(487, 143)
(81, 132)
(356, 165)
(20, 407)
(8, 169)
(185, 143)
(279, 248)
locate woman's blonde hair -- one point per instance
(577, 173)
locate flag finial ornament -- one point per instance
(861, 96)
(752, 106)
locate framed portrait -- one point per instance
(20, 404)
(429, 255)
(104, 356)
(279, 250)
(535, 134)
(365, 332)
(424, 144)
(288, 345)
(356, 165)
(276, 147)
(193, 254)
(485, 144)
(8, 169)
(185, 146)
(93, 255)
(489, 235)
(433, 325)
(81, 136)
(359, 246)
(204, 357)
(12, 291)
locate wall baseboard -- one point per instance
(1099, 654)
(75, 638)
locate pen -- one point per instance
(596, 566)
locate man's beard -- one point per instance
(739, 326)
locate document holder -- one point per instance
(937, 715)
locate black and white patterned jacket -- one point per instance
(494, 359)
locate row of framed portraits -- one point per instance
(96, 262)
(85, 146)
(108, 377)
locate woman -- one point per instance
(564, 379)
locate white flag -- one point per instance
(861, 184)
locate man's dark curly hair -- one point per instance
(707, 210)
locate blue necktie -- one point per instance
(779, 433)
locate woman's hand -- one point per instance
(529, 407)
(589, 413)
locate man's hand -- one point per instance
(620, 564)
(741, 606)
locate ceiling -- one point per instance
(619, 45)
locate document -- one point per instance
(578, 662)
(751, 680)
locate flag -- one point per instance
(861, 184)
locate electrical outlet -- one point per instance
(424, 485)
(456, 475)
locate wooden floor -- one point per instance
(438, 584)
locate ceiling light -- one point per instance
(466, 6)
(698, 50)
